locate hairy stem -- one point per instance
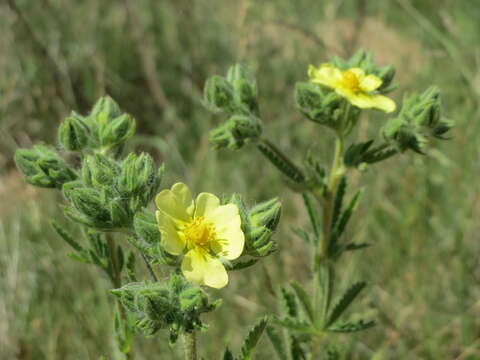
(115, 276)
(190, 345)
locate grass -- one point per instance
(420, 214)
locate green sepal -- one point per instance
(73, 133)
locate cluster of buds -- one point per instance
(175, 305)
(42, 166)
(104, 128)
(419, 119)
(110, 192)
(258, 225)
(236, 96)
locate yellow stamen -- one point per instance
(350, 81)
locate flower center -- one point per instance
(350, 81)
(199, 232)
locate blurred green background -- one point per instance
(152, 57)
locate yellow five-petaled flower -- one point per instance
(354, 85)
(202, 229)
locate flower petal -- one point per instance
(230, 239)
(205, 204)
(170, 241)
(359, 73)
(203, 269)
(370, 83)
(380, 102)
(176, 202)
(326, 74)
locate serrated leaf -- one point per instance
(80, 257)
(349, 327)
(290, 302)
(277, 343)
(302, 234)
(347, 298)
(296, 350)
(304, 300)
(297, 325)
(252, 339)
(338, 203)
(312, 214)
(66, 236)
(241, 265)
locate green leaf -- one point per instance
(345, 302)
(277, 343)
(66, 236)
(304, 300)
(290, 302)
(296, 325)
(298, 353)
(252, 339)
(240, 265)
(350, 327)
(312, 214)
(337, 206)
(228, 355)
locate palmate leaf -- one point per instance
(312, 214)
(65, 235)
(252, 339)
(290, 302)
(338, 204)
(296, 350)
(347, 298)
(299, 326)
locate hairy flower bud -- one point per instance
(317, 104)
(100, 171)
(419, 118)
(117, 131)
(73, 133)
(41, 166)
(218, 95)
(244, 87)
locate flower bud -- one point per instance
(117, 131)
(43, 167)
(266, 214)
(104, 110)
(318, 104)
(100, 171)
(73, 133)
(218, 95)
(244, 87)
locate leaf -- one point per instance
(304, 300)
(302, 234)
(66, 236)
(228, 355)
(347, 214)
(349, 327)
(354, 246)
(131, 272)
(337, 206)
(277, 343)
(313, 214)
(252, 339)
(345, 302)
(79, 257)
(296, 325)
(296, 349)
(241, 265)
(290, 302)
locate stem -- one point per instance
(190, 345)
(115, 276)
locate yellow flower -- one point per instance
(353, 85)
(205, 230)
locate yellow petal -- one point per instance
(380, 102)
(370, 83)
(176, 202)
(200, 268)
(206, 203)
(326, 75)
(359, 73)
(171, 241)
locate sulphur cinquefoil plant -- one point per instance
(108, 196)
(336, 96)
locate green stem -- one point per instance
(115, 276)
(190, 345)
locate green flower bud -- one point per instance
(43, 167)
(218, 95)
(117, 131)
(221, 137)
(100, 171)
(105, 110)
(193, 298)
(237, 130)
(245, 89)
(266, 214)
(419, 118)
(73, 133)
(140, 177)
(317, 104)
